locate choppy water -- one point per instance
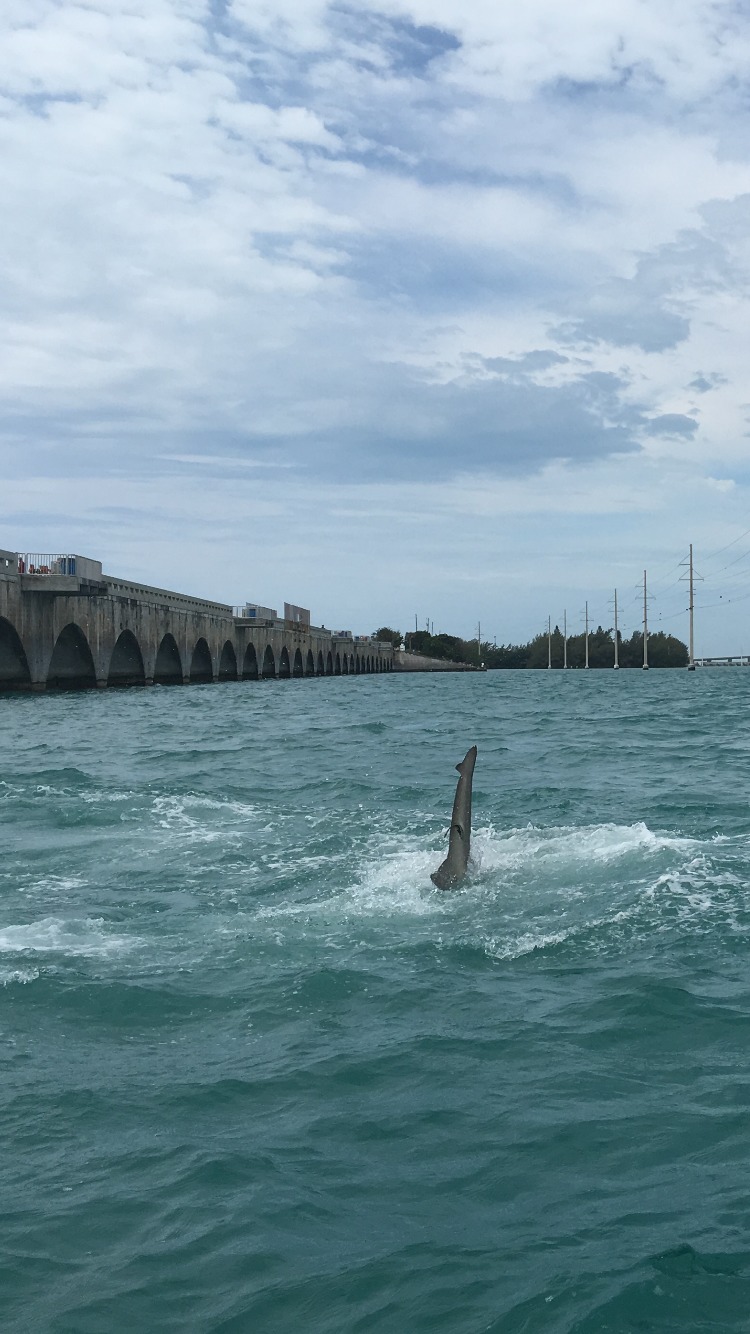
(256, 1074)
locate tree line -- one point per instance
(663, 650)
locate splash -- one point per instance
(85, 937)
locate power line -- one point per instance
(733, 542)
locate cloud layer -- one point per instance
(282, 276)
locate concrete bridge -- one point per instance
(66, 625)
(725, 660)
(418, 662)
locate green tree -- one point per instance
(666, 651)
(388, 636)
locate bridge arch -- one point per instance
(168, 667)
(321, 668)
(356, 665)
(298, 669)
(337, 666)
(285, 670)
(351, 663)
(310, 663)
(71, 665)
(228, 663)
(269, 664)
(250, 664)
(14, 667)
(201, 667)
(126, 664)
(345, 664)
(329, 664)
(369, 665)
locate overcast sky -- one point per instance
(424, 306)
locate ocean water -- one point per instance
(256, 1074)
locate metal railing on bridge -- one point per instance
(66, 563)
(35, 562)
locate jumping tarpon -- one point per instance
(453, 869)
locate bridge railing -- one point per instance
(44, 562)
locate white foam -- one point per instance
(54, 935)
(393, 877)
(180, 805)
(399, 873)
(568, 844)
(22, 976)
(192, 818)
(56, 884)
(526, 943)
(91, 797)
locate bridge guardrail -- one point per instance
(36, 562)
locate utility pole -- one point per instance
(587, 636)
(691, 658)
(565, 640)
(549, 643)
(645, 624)
(691, 577)
(617, 645)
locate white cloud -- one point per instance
(302, 233)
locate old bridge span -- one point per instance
(67, 625)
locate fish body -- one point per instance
(453, 870)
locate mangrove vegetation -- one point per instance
(663, 650)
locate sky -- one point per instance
(421, 308)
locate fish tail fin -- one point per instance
(469, 760)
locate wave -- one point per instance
(530, 850)
(595, 888)
(20, 975)
(85, 937)
(598, 843)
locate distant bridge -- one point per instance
(68, 626)
(727, 660)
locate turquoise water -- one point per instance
(256, 1074)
